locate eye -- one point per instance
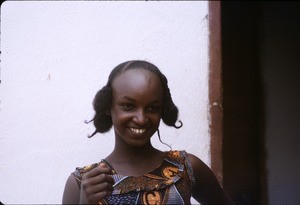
(154, 108)
(127, 106)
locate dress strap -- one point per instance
(107, 164)
(182, 157)
(189, 168)
(79, 172)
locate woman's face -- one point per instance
(136, 106)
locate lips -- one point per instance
(137, 131)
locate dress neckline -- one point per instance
(151, 171)
(166, 174)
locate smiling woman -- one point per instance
(135, 172)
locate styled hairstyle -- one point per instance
(103, 98)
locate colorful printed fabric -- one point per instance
(170, 183)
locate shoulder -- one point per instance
(184, 156)
(81, 170)
(71, 193)
(199, 167)
(207, 189)
(180, 155)
(201, 172)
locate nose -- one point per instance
(140, 118)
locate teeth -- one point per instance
(138, 131)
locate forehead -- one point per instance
(137, 81)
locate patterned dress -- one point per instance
(170, 183)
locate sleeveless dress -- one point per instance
(170, 183)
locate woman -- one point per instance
(133, 102)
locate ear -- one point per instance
(107, 112)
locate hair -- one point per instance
(103, 98)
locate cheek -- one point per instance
(156, 119)
(118, 116)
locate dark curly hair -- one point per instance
(103, 99)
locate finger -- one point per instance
(101, 187)
(98, 170)
(104, 178)
(98, 179)
(103, 165)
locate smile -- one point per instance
(138, 131)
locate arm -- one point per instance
(71, 192)
(206, 190)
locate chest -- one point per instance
(168, 184)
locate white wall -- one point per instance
(56, 55)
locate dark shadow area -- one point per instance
(261, 70)
(243, 140)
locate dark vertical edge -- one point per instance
(215, 88)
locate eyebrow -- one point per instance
(132, 100)
(127, 98)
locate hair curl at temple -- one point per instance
(103, 98)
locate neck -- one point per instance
(134, 160)
(125, 152)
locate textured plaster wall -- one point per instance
(56, 55)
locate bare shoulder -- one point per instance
(202, 173)
(197, 164)
(200, 169)
(71, 192)
(207, 189)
